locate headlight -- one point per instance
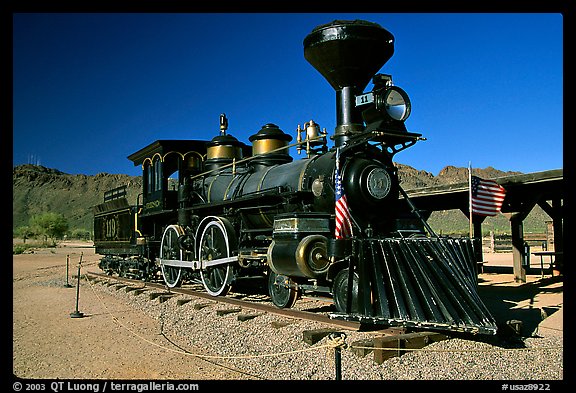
(394, 102)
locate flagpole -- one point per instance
(470, 198)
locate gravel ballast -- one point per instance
(266, 347)
(128, 335)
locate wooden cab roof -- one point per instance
(164, 147)
(179, 147)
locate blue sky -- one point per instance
(89, 89)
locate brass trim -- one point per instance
(225, 196)
(136, 222)
(312, 247)
(264, 146)
(303, 172)
(224, 151)
(264, 217)
(210, 189)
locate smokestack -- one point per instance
(348, 54)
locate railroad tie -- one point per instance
(311, 337)
(221, 313)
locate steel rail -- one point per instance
(285, 312)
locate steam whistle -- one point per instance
(223, 124)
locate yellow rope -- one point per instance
(329, 345)
(333, 342)
(337, 341)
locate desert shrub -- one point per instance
(52, 226)
(81, 234)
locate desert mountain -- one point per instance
(37, 189)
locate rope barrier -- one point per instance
(335, 342)
(329, 345)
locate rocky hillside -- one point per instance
(454, 221)
(37, 189)
(413, 178)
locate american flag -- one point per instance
(343, 216)
(487, 196)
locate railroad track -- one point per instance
(244, 304)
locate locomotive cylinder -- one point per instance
(305, 258)
(300, 245)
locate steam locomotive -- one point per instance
(335, 222)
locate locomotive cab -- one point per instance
(165, 166)
(160, 161)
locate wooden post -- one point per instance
(558, 234)
(492, 243)
(517, 227)
(520, 211)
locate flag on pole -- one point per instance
(343, 216)
(486, 197)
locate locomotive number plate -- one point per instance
(379, 183)
(363, 99)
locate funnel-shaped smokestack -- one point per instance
(348, 54)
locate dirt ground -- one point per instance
(48, 343)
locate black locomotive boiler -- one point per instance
(336, 221)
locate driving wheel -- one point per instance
(170, 249)
(215, 244)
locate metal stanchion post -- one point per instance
(338, 363)
(76, 313)
(67, 285)
(339, 338)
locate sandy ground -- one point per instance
(48, 343)
(538, 302)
